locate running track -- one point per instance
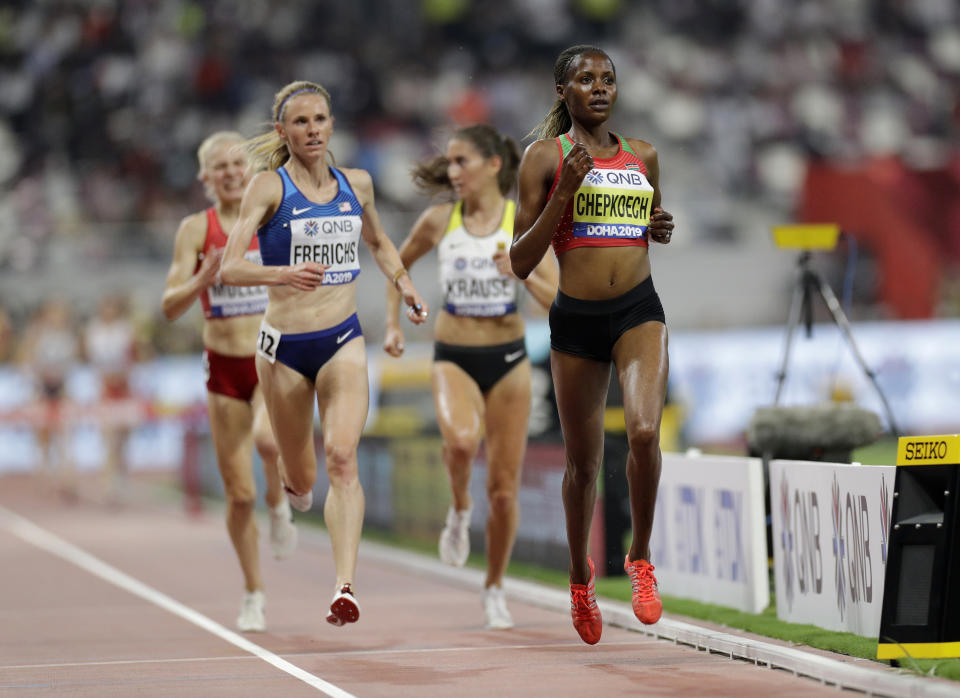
(101, 602)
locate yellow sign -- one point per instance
(929, 450)
(918, 650)
(807, 236)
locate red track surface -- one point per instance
(64, 630)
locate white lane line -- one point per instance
(31, 533)
(120, 662)
(348, 653)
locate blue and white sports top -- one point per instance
(472, 285)
(303, 231)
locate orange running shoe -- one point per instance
(647, 606)
(583, 608)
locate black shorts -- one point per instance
(486, 365)
(591, 328)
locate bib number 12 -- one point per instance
(267, 342)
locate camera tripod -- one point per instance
(801, 307)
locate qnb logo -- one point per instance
(786, 540)
(839, 550)
(729, 536)
(806, 526)
(594, 177)
(460, 263)
(659, 542)
(857, 533)
(689, 522)
(884, 518)
(311, 228)
(854, 564)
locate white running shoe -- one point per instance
(455, 538)
(251, 619)
(495, 609)
(300, 502)
(344, 607)
(283, 534)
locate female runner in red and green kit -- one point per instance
(595, 197)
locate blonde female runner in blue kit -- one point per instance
(310, 218)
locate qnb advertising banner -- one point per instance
(709, 540)
(830, 527)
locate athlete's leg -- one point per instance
(459, 406)
(342, 396)
(230, 422)
(283, 534)
(266, 445)
(640, 356)
(507, 417)
(115, 470)
(581, 389)
(289, 397)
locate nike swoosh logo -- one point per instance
(344, 336)
(512, 356)
(298, 211)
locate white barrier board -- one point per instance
(830, 532)
(709, 541)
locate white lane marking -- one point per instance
(347, 653)
(120, 662)
(31, 533)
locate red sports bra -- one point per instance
(611, 208)
(221, 300)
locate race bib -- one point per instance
(268, 341)
(333, 241)
(472, 284)
(479, 294)
(612, 204)
(230, 301)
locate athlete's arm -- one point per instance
(537, 216)
(381, 248)
(544, 281)
(424, 236)
(260, 200)
(660, 226)
(183, 286)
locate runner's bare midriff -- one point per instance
(478, 331)
(294, 311)
(600, 273)
(232, 336)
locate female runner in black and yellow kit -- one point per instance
(481, 374)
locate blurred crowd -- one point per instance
(103, 102)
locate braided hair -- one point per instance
(558, 121)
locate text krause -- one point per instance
(331, 241)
